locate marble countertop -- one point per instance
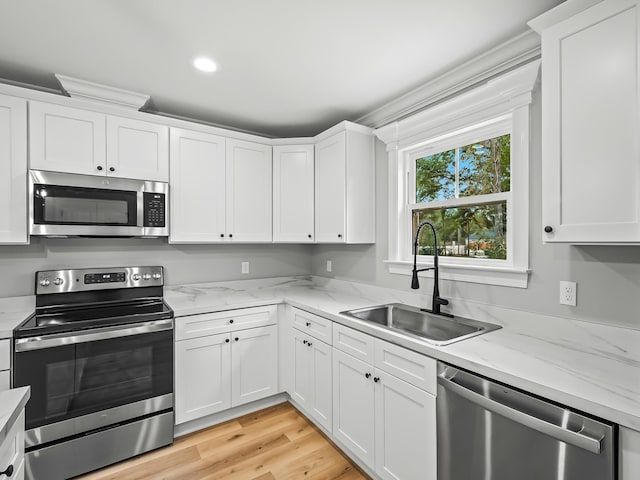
(13, 311)
(11, 404)
(591, 367)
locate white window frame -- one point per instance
(500, 105)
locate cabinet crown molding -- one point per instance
(561, 12)
(103, 94)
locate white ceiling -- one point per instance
(286, 67)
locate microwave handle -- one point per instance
(140, 209)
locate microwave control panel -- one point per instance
(154, 209)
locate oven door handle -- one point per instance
(49, 341)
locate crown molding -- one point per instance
(563, 11)
(104, 94)
(510, 55)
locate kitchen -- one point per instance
(582, 355)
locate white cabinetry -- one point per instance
(293, 192)
(66, 139)
(629, 454)
(5, 364)
(311, 378)
(12, 450)
(345, 187)
(198, 187)
(249, 191)
(387, 420)
(590, 101)
(13, 170)
(224, 359)
(220, 189)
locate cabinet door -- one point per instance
(254, 364)
(293, 193)
(202, 377)
(321, 407)
(353, 407)
(629, 454)
(302, 386)
(137, 149)
(330, 191)
(13, 170)
(591, 153)
(405, 430)
(197, 191)
(249, 191)
(64, 139)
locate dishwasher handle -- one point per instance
(576, 439)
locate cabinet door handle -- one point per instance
(231, 321)
(339, 235)
(231, 235)
(222, 235)
(367, 375)
(8, 471)
(309, 235)
(376, 379)
(309, 344)
(99, 167)
(236, 339)
(304, 341)
(548, 229)
(308, 324)
(112, 169)
(226, 341)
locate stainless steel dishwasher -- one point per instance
(487, 431)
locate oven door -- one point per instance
(122, 371)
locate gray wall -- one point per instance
(608, 277)
(183, 263)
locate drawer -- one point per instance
(4, 381)
(353, 342)
(314, 325)
(12, 449)
(195, 326)
(5, 355)
(412, 367)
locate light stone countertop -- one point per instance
(590, 367)
(11, 404)
(13, 311)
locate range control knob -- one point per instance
(157, 276)
(45, 282)
(147, 276)
(58, 281)
(136, 276)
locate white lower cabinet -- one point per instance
(203, 376)
(12, 450)
(629, 442)
(405, 423)
(254, 364)
(311, 382)
(386, 422)
(217, 372)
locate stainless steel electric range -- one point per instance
(98, 356)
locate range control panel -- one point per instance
(78, 280)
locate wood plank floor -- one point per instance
(277, 443)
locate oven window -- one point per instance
(75, 380)
(84, 206)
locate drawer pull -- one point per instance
(8, 472)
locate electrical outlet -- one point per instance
(568, 293)
(245, 267)
(329, 265)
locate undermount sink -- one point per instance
(435, 329)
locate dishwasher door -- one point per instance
(487, 431)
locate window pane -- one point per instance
(485, 167)
(435, 176)
(478, 231)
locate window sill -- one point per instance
(488, 275)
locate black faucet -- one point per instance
(436, 301)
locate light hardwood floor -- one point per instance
(277, 443)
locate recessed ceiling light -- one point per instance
(205, 64)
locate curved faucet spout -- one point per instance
(436, 301)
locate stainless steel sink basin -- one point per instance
(435, 329)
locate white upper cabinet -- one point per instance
(590, 95)
(65, 139)
(13, 170)
(249, 191)
(71, 140)
(137, 149)
(293, 193)
(198, 187)
(344, 187)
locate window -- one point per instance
(463, 165)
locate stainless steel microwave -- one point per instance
(69, 205)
